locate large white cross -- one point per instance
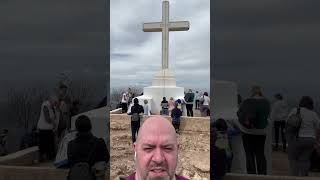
(165, 26)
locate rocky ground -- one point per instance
(194, 155)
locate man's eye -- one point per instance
(168, 149)
(147, 149)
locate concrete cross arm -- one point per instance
(173, 26)
(179, 26)
(152, 27)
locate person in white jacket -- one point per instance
(146, 108)
(300, 148)
(279, 115)
(205, 107)
(47, 125)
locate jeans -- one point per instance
(46, 143)
(165, 111)
(189, 109)
(204, 109)
(197, 104)
(254, 148)
(135, 125)
(280, 125)
(124, 107)
(300, 165)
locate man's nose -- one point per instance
(158, 156)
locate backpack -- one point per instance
(135, 117)
(222, 142)
(293, 124)
(201, 100)
(82, 170)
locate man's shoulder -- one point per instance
(181, 178)
(131, 177)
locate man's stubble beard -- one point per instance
(146, 176)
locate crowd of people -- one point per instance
(191, 101)
(299, 129)
(173, 108)
(86, 156)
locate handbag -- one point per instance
(294, 123)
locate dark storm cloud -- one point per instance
(273, 43)
(250, 13)
(41, 39)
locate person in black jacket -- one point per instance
(136, 111)
(85, 143)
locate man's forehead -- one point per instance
(157, 129)
(153, 139)
(154, 129)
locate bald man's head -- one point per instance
(156, 149)
(156, 124)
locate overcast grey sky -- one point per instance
(136, 55)
(274, 43)
(41, 39)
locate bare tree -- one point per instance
(116, 94)
(115, 97)
(24, 105)
(83, 90)
(136, 90)
(85, 93)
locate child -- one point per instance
(179, 104)
(221, 142)
(176, 113)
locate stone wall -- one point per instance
(31, 173)
(116, 111)
(24, 157)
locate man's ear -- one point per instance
(134, 146)
(135, 150)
